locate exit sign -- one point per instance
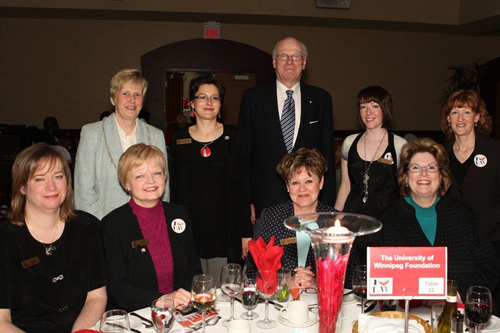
(211, 30)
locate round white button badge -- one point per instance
(480, 160)
(178, 225)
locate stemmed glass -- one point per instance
(162, 314)
(267, 282)
(249, 299)
(359, 284)
(231, 282)
(478, 308)
(114, 321)
(203, 295)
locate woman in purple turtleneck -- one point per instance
(148, 244)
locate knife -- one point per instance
(142, 318)
(370, 307)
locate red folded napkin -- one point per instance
(267, 258)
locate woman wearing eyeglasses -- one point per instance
(424, 216)
(209, 176)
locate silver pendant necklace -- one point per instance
(51, 247)
(366, 177)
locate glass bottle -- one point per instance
(450, 307)
(457, 322)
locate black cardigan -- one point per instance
(132, 281)
(480, 188)
(471, 259)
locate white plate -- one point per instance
(135, 323)
(493, 325)
(349, 299)
(313, 318)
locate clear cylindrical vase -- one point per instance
(332, 235)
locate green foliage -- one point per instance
(464, 77)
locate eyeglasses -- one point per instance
(283, 57)
(204, 98)
(308, 291)
(464, 113)
(419, 168)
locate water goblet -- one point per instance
(162, 314)
(249, 299)
(231, 284)
(114, 321)
(267, 282)
(203, 295)
(478, 308)
(359, 284)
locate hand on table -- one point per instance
(304, 278)
(180, 297)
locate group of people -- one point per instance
(140, 226)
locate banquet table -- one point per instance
(350, 313)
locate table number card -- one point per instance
(398, 272)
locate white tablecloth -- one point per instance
(350, 313)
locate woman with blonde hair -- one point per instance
(97, 190)
(148, 243)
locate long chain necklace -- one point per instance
(51, 247)
(367, 168)
(107, 144)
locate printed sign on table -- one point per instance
(396, 272)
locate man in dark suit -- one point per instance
(268, 139)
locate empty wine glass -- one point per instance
(231, 282)
(162, 314)
(203, 295)
(359, 284)
(114, 321)
(478, 308)
(249, 299)
(267, 282)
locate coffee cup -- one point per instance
(238, 326)
(297, 312)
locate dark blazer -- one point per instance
(480, 188)
(260, 127)
(132, 282)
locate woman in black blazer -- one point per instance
(148, 244)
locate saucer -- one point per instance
(135, 323)
(493, 325)
(349, 299)
(313, 318)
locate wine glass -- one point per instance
(162, 314)
(478, 308)
(267, 282)
(231, 282)
(114, 321)
(359, 284)
(249, 299)
(284, 278)
(203, 295)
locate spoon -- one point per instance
(210, 322)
